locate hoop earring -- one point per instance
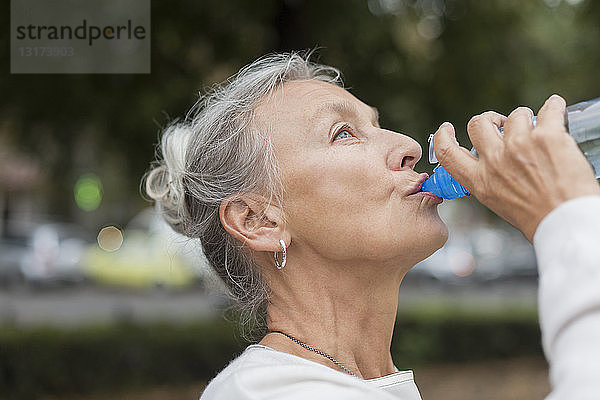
(283, 256)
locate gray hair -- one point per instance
(217, 152)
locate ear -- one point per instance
(254, 222)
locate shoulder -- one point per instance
(263, 373)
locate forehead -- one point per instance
(305, 103)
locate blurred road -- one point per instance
(81, 305)
(518, 293)
(85, 305)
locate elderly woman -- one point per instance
(311, 214)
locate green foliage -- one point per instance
(421, 62)
(465, 336)
(106, 359)
(101, 359)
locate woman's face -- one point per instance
(349, 184)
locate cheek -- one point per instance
(404, 233)
(339, 186)
(333, 208)
(406, 230)
(354, 212)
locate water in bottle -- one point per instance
(583, 123)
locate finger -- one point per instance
(519, 122)
(552, 113)
(483, 130)
(458, 161)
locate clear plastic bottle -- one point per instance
(583, 123)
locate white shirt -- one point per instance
(567, 244)
(264, 373)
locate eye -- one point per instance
(343, 133)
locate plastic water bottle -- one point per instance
(582, 122)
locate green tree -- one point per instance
(421, 62)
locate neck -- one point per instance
(345, 310)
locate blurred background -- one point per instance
(98, 297)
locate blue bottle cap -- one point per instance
(442, 184)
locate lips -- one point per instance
(417, 187)
(416, 190)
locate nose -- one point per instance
(404, 153)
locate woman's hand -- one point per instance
(526, 174)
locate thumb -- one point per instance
(458, 161)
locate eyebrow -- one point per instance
(341, 108)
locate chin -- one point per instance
(432, 240)
(440, 238)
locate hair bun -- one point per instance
(164, 182)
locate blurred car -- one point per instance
(481, 254)
(502, 254)
(149, 257)
(453, 263)
(12, 251)
(54, 255)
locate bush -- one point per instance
(102, 359)
(441, 337)
(45, 361)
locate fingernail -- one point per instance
(555, 97)
(448, 125)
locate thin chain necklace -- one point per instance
(319, 352)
